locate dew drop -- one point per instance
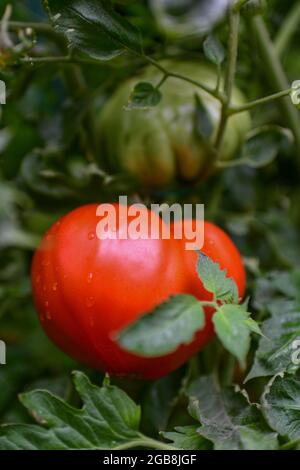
(90, 301)
(48, 315)
(91, 236)
(90, 277)
(54, 287)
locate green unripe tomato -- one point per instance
(158, 145)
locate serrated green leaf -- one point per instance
(94, 28)
(214, 50)
(215, 280)
(231, 327)
(171, 324)
(187, 438)
(227, 419)
(144, 96)
(281, 405)
(275, 350)
(253, 326)
(108, 419)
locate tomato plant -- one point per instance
(166, 103)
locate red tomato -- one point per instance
(87, 289)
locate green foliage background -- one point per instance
(50, 163)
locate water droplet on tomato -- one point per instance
(91, 236)
(54, 287)
(48, 315)
(90, 301)
(90, 277)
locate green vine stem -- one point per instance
(260, 101)
(234, 21)
(287, 30)
(38, 27)
(276, 75)
(168, 74)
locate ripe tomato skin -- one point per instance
(87, 289)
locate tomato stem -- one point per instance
(275, 74)
(234, 21)
(287, 30)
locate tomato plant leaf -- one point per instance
(164, 392)
(108, 419)
(202, 125)
(227, 418)
(263, 146)
(215, 280)
(143, 96)
(214, 50)
(233, 329)
(281, 405)
(188, 437)
(171, 324)
(94, 28)
(275, 351)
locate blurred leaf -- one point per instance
(108, 418)
(180, 18)
(94, 27)
(275, 351)
(5, 137)
(263, 146)
(281, 405)
(41, 179)
(164, 393)
(171, 324)
(214, 50)
(274, 286)
(144, 96)
(203, 125)
(227, 418)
